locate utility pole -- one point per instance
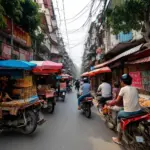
(12, 36)
(35, 52)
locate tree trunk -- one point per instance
(146, 33)
(147, 26)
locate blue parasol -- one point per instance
(17, 64)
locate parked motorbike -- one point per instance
(86, 106)
(49, 103)
(136, 132)
(24, 119)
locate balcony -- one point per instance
(122, 37)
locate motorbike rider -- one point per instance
(130, 103)
(105, 90)
(58, 87)
(86, 87)
(77, 85)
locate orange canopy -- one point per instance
(99, 71)
(85, 74)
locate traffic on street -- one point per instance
(75, 75)
(66, 129)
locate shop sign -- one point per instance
(146, 80)
(6, 51)
(18, 33)
(136, 79)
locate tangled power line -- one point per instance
(92, 11)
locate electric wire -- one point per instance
(64, 14)
(58, 13)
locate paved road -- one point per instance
(66, 129)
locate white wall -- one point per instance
(110, 40)
(46, 12)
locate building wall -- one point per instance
(111, 40)
(47, 11)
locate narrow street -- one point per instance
(66, 129)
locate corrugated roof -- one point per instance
(142, 60)
(129, 52)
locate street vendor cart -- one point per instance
(19, 102)
(46, 82)
(62, 85)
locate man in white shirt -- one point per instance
(130, 102)
(106, 92)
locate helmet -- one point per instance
(126, 79)
(85, 80)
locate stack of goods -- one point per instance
(144, 103)
(25, 82)
(23, 88)
(42, 89)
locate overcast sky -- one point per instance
(73, 7)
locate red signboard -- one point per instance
(136, 79)
(19, 34)
(6, 51)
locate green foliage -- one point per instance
(2, 23)
(13, 9)
(30, 19)
(132, 14)
(24, 12)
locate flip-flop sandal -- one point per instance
(115, 140)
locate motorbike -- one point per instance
(86, 106)
(69, 89)
(49, 98)
(62, 94)
(136, 132)
(110, 115)
(49, 103)
(23, 118)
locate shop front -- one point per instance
(140, 72)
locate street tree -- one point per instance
(30, 19)
(130, 15)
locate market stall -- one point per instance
(18, 95)
(45, 77)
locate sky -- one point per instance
(77, 39)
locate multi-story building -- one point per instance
(122, 53)
(21, 42)
(53, 47)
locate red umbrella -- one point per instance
(85, 74)
(46, 67)
(65, 76)
(99, 71)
